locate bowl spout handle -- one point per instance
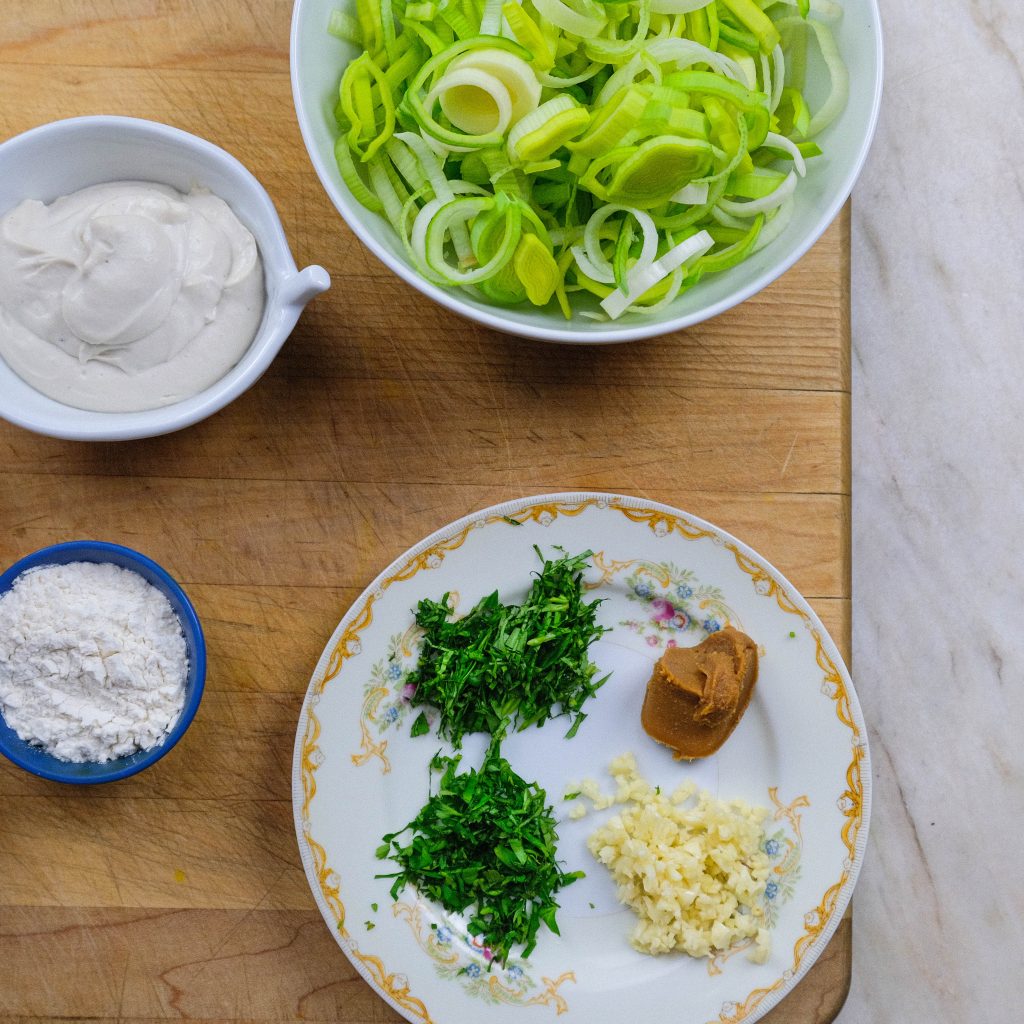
(305, 285)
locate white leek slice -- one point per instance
(514, 73)
(684, 53)
(694, 194)
(584, 19)
(749, 68)
(474, 101)
(490, 20)
(643, 279)
(594, 272)
(778, 77)
(839, 76)
(409, 210)
(775, 226)
(774, 141)
(728, 221)
(752, 207)
(418, 235)
(675, 283)
(592, 241)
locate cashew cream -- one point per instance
(126, 296)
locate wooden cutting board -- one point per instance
(180, 892)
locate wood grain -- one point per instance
(349, 532)
(505, 433)
(244, 965)
(179, 893)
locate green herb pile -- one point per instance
(486, 840)
(510, 664)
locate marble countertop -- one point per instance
(938, 390)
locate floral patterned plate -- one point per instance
(666, 578)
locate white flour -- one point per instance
(92, 661)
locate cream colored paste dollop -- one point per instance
(126, 296)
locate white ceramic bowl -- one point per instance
(317, 60)
(64, 156)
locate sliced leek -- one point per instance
(643, 279)
(568, 152)
(474, 101)
(547, 129)
(512, 70)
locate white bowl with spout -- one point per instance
(62, 157)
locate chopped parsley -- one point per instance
(503, 666)
(485, 843)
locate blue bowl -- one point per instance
(35, 759)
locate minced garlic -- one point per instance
(694, 873)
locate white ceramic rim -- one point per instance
(510, 507)
(449, 298)
(294, 289)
